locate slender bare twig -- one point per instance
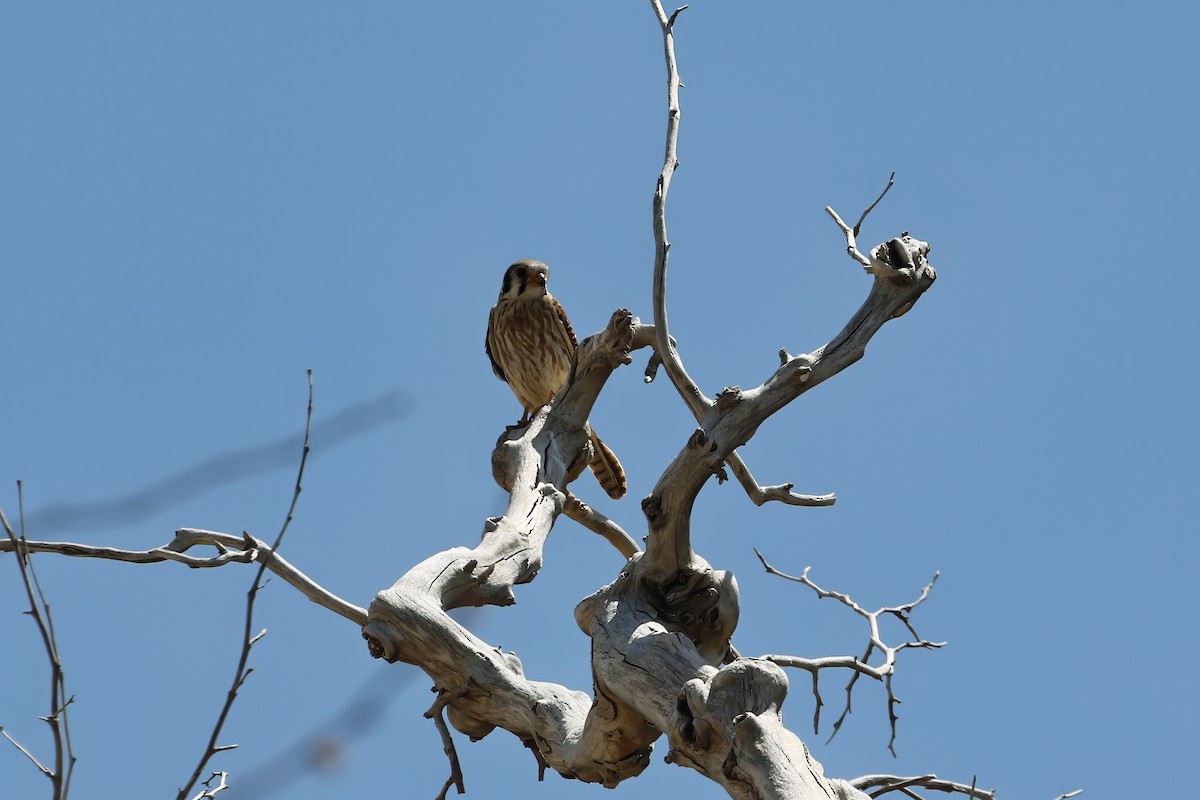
(65, 752)
(870, 208)
(852, 233)
(435, 713)
(596, 522)
(210, 791)
(248, 641)
(665, 350)
(1068, 795)
(861, 666)
(40, 767)
(39, 611)
(896, 783)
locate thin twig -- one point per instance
(852, 233)
(895, 783)
(870, 208)
(243, 672)
(40, 767)
(211, 791)
(596, 522)
(39, 611)
(861, 666)
(435, 713)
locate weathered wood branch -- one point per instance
(486, 688)
(902, 273)
(230, 548)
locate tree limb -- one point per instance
(596, 522)
(39, 610)
(230, 548)
(892, 783)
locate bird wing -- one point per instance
(487, 346)
(566, 323)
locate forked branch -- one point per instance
(894, 783)
(860, 666)
(57, 719)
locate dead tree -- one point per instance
(662, 658)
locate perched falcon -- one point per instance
(531, 343)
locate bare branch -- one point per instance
(596, 522)
(892, 783)
(40, 767)
(243, 549)
(664, 346)
(211, 791)
(435, 713)
(781, 493)
(883, 672)
(870, 208)
(248, 641)
(852, 233)
(39, 611)
(851, 236)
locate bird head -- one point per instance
(525, 280)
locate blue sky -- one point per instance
(200, 202)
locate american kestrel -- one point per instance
(531, 343)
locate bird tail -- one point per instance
(608, 469)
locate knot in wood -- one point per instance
(652, 507)
(729, 397)
(901, 260)
(374, 646)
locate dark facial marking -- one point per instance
(514, 273)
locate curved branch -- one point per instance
(781, 493)
(596, 522)
(892, 783)
(665, 345)
(230, 548)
